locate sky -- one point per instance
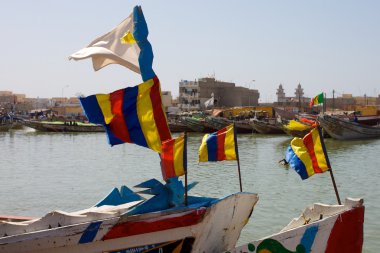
(324, 45)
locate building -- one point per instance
(194, 94)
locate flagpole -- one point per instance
(335, 188)
(237, 158)
(185, 167)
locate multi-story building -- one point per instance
(194, 94)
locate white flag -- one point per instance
(116, 47)
(209, 102)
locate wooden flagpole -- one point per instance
(335, 188)
(185, 165)
(237, 158)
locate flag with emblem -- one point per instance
(115, 47)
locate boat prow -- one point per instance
(320, 228)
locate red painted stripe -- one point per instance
(167, 159)
(309, 144)
(158, 112)
(220, 139)
(347, 233)
(118, 125)
(130, 228)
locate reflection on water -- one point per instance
(46, 171)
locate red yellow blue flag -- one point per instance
(219, 146)
(132, 115)
(173, 158)
(308, 156)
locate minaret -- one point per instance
(299, 92)
(280, 94)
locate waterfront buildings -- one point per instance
(194, 94)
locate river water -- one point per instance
(41, 172)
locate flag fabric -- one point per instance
(132, 115)
(308, 156)
(173, 158)
(219, 146)
(319, 99)
(115, 47)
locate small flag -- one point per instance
(173, 158)
(132, 115)
(308, 156)
(209, 102)
(115, 47)
(319, 99)
(219, 146)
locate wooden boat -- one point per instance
(244, 127)
(60, 126)
(217, 122)
(197, 125)
(267, 127)
(4, 127)
(134, 225)
(296, 128)
(320, 228)
(342, 129)
(178, 126)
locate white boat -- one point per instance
(320, 228)
(204, 225)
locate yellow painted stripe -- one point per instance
(105, 105)
(318, 150)
(229, 143)
(145, 114)
(302, 153)
(179, 145)
(203, 153)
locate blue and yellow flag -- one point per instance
(132, 115)
(308, 156)
(219, 146)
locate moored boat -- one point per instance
(320, 228)
(296, 128)
(342, 129)
(60, 126)
(123, 222)
(267, 127)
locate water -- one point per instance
(41, 172)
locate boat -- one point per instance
(197, 124)
(269, 126)
(320, 228)
(242, 125)
(342, 129)
(124, 222)
(217, 122)
(63, 126)
(296, 128)
(177, 126)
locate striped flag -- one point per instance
(308, 156)
(319, 99)
(132, 115)
(173, 158)
(219, 146)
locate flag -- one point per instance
(132, 115)
(317, 100)
(209, 102)
(218, 146)
(173, 158)
(115, 47)
(308, 156)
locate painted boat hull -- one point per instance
(263, 127)
(50, 127)
(200, 229)
(345, 130)
(320, 228)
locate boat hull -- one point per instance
(266, 128)
(61, 127)
(321, 228)
(203, 229)
(345, 130)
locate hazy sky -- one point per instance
(323, 44)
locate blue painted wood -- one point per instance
(90, 232)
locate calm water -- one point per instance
(41, 172)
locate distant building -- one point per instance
(167, 100)
(193, 94)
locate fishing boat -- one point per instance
(269, 126)
(296, 128)
(4, 127)
(197, 124)
(342, 129)
(320, 228)
(63, 126)
(124, 222)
